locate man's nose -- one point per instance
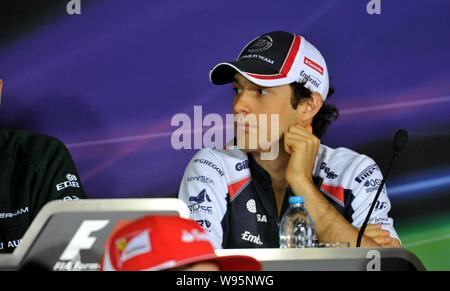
(242, 104)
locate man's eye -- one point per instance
(237, 90)
(262, 92)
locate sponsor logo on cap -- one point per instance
(132, 246)
(256, 56)
(315, 66)
(193, 235)
(261, 44)
(310, 78)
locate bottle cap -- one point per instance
(296, 199)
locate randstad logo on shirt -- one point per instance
(71, 182)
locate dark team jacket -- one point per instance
(34, 169)
(231, 196)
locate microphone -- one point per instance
(400, 140)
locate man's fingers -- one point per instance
(294, 142)
(382, 240)
(309, 128)
(301, 131)
(373, 226)
(373, 233)
(379, 235)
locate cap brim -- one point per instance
(223, 73)
(225, 263)
(238, 263)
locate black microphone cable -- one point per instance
(400, 140)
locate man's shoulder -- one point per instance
(29, 145)
(342, 165)
(226, 154)
(27, 139)
(342, 156)
(231, 163)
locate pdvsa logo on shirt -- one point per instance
(71, 182)
(251, 207)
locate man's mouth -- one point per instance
(245, 126)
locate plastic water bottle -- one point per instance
(296, 226)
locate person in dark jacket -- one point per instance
(34, 169)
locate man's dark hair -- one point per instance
(327, 113)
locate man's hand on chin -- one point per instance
(303, 146)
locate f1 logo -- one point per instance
(82, 239)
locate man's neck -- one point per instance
(276, 168)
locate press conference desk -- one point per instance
(332, 259)
(310, 259)
(70, 236)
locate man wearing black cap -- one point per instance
(239, 196)
(34, 169)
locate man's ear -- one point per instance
(309, 107)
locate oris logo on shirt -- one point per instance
(71, 182)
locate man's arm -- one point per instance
(329, 224)
(381, 236)
(60, 179)
(204, 191)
